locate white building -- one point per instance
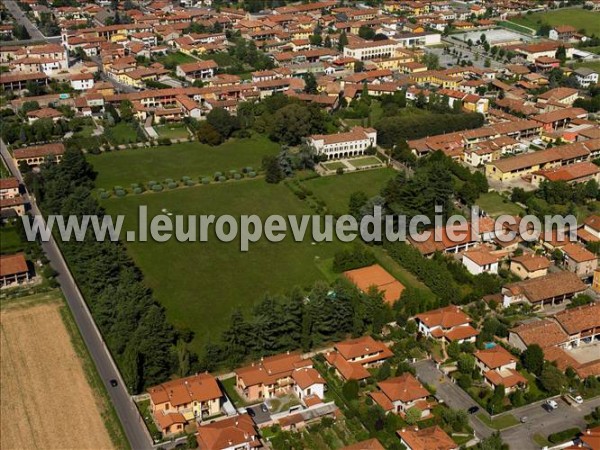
(372, 49)
(344, 145)
(586, 77)
(308, 383)
(82, 81)
(480, 261)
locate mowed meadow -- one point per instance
(202, 283)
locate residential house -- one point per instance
(450, 239)
(579, 260)
(200, 70)
(432, 438)
(586, 76)
(82, 81)
(195, 398)
(552, 289)
(530, 265)
(308, 384)
(498, 366)
(9, 188)
(576, 173)
(270, 377)
(449, 323)
(590, 231)
(369, 444)
(480, 260)
(562, 33)
(353, 357)
(13, 270)
(399, 394)
(234, 433)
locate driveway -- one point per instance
(450, 393)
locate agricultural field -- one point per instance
(202, 283)
(121, 168)
(46, 398)
(576, 17)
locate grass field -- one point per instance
(10, 242)
(175, 161)
(496, 205)
(202, 283)
(46, 398)
(121, 133)
(499, 423)
(176, 58)
(172, 131)
(576, 17)
(363, 162)
(334, 165)
(335, 191)
(594, 65)
(4, 172)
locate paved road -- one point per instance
(134, 427)
(539, 421)
(450, 393)
(22, 19)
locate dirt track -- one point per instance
(46, 401)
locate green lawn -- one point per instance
(594, 65)
(335, 191)
(366, 161)
(172, 131)
(496, 205)
(576, 17)
(499, 423)
(229, 386)
(201, 284)
(10, 242)
(176, 59)
(4, 172)
(223, 59)
(191, 159)
(121, 133)
(334, 165)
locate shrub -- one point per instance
(563, 436)
(252, 174)
(237, 176)
(222, 179)
(104, 195)
(218, 174)
(247, 169)
(185, 179)
(172, 185)
(137, 190)
(339, 171)
(120, 192)
(190, 183)
(157, 187)
(205, 180)
(134, 185)
(151, 183)
(168, 180)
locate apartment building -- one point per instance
(366, 50)
(271, 376)
(549, 290)
(200, 70)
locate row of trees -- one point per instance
(297, 320)
(132, 323)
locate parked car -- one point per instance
(113, 383)
(578, 399)
(250, 412)
(552, 404)
(264, 408)
(473, 409)
(523, 419)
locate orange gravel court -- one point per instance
(46, 401)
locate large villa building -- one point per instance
(353, 357)
(343, 145)
(449, 323)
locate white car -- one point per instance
(552, 404)
(578, 399)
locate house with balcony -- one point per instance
(308, 384)
(498, 366)
(549, 290)
(194, 398)
(449, 324)
(270, 377)
(397, 395)
(353, 357)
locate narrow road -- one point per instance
(450, 393)
(132, 422)
(22, 19)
